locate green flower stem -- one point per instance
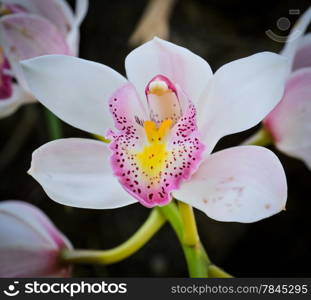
(196, 257)
(261, 138)
(54, 125)
(197, 261)
(154, 222)
(216, 272)
(170, 211)
(190, 235)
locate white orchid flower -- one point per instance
(163, 122)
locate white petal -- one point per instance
(24, 36)
(241, 184)
(77, 172)
(76, 90)
(81, 10)
(290, 122)
(159, 57)
(60, 14)
(240, 95)
(73, 37)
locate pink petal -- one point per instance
(302, 57)
(240, 95)
(150, 170)
(60, 14)
(13, 8)
(30, 243)
(25, 36)
(56, 11)
(180, 65)
(289, 122)
(241, 184)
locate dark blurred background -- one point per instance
(219, 31)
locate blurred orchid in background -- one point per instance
(290, 122)
(30, 28)
(30, 244)
(168, 117)
(153, 22)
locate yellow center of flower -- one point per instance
(153, 156)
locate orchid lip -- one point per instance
(151, 158)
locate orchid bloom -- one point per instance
(30, 28)
(290, 122)
(163, 123)
(30, 243)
